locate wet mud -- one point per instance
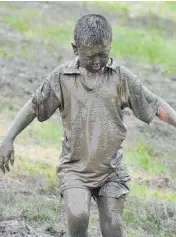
(20, 77)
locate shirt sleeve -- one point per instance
(47, 98)
(140, 100)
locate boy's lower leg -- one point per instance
(77, 201)
(110, 212)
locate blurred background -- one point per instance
(35, 37)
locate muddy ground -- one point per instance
(20, 77)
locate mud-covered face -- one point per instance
(95, 57)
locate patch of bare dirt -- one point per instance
(20, 77)
(16, 228)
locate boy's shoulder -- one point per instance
(70, 67)
(113, 64)
(120, 69)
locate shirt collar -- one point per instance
(72, 67)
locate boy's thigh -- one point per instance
(110, 197)
(110, 214)
(113, 189)
(77, 201)
(109, 207)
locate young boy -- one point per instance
(91, 92)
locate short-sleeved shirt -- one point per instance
(92, 120)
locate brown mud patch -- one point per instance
(21, 76)
(15, 228)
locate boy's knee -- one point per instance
(77, 206)
(78, 224)
(77, 213)
(80, 218)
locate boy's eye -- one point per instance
(100, 55)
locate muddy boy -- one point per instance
(90, 92)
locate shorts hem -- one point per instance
(61, 191)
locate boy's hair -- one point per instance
(92, 29)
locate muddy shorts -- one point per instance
(113, 187)
(110, 189)
(116, 186)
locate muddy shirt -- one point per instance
(93, 120)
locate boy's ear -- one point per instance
(74, 48)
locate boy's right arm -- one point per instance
(43, 104)
(25, 116)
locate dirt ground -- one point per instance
(20, 77)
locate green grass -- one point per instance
(33, 207)
(143, 158)
(171, 6)
(146, 210)
(8, 50)
(21, 24)
(161, 9)
(4, 53)
(35, 26)
(144, 47)
(56, 33)
(20, 19)
(111, 6)
(7, 105)
(151, 218)
(47, 132)
(43, 211)
(141, 190)
(25, 168)
(165, 9)
(44, 134)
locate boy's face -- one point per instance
(94, 57)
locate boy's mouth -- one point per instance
(96, 67)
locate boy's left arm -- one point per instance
(167, 114)
(144, 104)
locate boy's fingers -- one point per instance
(2, 163)
(2, 168)
(12, 162)
(12, 158)
(7, 166)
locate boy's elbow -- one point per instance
(167, 114)
(41, 119)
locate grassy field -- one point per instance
(150, 209)
(151, 45)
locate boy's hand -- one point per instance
(6, 155)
